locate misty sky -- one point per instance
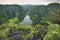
(28, 1)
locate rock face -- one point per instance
(17, 36)
(35, 37)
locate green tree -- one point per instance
(53, 12)
(53, 32)
(10, 11)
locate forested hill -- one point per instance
(10, 11)
(36, 12)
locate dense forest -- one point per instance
(45, 23)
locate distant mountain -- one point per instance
(27, 7)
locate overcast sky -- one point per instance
(21, 2)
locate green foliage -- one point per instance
(5, 28)
(26, 31)
(53, 32)
(53, 12)
(37, 12)
(10, 11)
(43, 26)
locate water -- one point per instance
(26, 21)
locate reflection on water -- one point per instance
(27, 21)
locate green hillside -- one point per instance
(30, 22)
